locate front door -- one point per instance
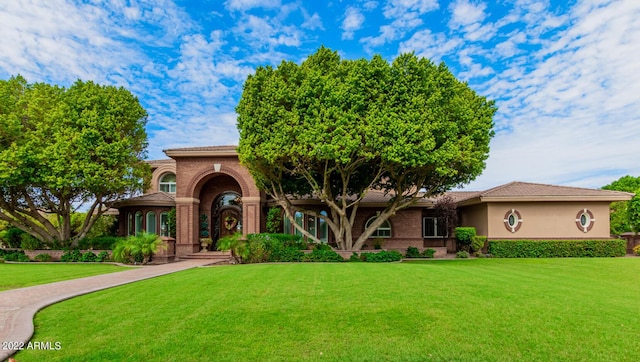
(230, 221)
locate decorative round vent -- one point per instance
(512, 220)
(585, 220)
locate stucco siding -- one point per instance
(475, 216)
(547, 220)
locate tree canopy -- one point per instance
(625, 215)
(67, 148)
(336, 129)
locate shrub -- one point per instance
(28, 242)
(355, 258)
(267, 247)
(44, 258)
(71, 256)
(88, 257)
(381, 257)
(636, 250)
(322, 256)
(99, 243)
(464, 235)
(557, 248)
(12, 237)
(478, 242)
(137, 249)
(102, 256)
(428, 253)
(413, 252)
(18, 256)
(462, 254)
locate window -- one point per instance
(129, 223)
(151, 223)
(299, 218)
(323, 228)
(315, 226)
(138, 223)
(383, 231)
(584, 220)
(512, 220)
(164, 224)
(432, 228)
(168, 183)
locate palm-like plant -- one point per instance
(137, 248)
(239, 247)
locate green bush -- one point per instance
(137, 249)
(71, 256)
(462, 254)
(102, 256)
(428, 253)
(478, 242)
(16, 256)
(322, 256)
(266, 247)
(413, 252)
(99, 243)
(465, 235)
(12, 237)
(44, 258)
(28, 242)
(88, 257)
(355, 258)
(381, 257)
(557, 248)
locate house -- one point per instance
(210, 181)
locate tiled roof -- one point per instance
(158, 163)
(541, 192)
(204, 148)
(157, 198)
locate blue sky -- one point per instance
(565, 74)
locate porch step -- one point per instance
(212, 255)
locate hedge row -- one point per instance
(557, 248)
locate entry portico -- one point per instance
(211, 182)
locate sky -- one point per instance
(565, 75)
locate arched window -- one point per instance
(383, 231)
(138, 222)
(164, 224)
(151, 223)
(168, 183)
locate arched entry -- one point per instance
(226, 215)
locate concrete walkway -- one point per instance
(19, 306)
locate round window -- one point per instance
(512, 220)
(584, 220)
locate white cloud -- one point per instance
(405, 15)
(353, 20)
(244, 5)
(564, 104)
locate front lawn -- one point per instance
(25, 275)
(480, 310)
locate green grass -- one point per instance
(468, 310)
(25, 275)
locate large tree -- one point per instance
(67, 148)
(625, 215)
(336, 129)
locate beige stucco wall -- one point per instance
(476, 216)
(547, 220)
